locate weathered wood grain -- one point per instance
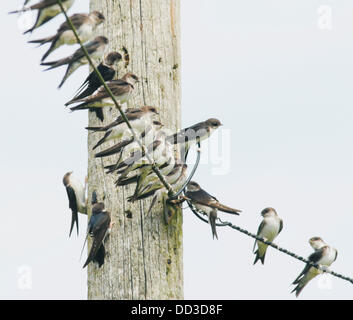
(145, 256)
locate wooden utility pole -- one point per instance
(145, 256)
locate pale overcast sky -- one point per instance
(282, 86)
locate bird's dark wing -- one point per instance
(73, 206)
(201, 197)
(261, 226)
(154, 145)
(192, 133)
(280, 226)
(90, 47)
(77, 20)
(106, 135)
(120, 87)
(92, 82)
(314, 257)
(98, 228)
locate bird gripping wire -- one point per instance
(143, 148)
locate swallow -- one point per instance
(175, 177)
(269, 229)
(323, 255)
(121, 88)
(47, 10)
(129, 144)
(208, 204)
(176, 182)
(85, 24)
(76, 193)
(146, 186)
(139, 120)
(98, 227)
(194, 134)
(108, 71)
(159, 150)
(145, 175)
(95, 49)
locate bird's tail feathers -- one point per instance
(113, 150)
(20, 10)
(74, 220)
(259, 257)
(95, 129)
(43, 40)
(82, 106)
(226, 209)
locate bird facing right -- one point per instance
(208, 204)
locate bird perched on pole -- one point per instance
(121, 88)
(76, 193)
(107, 68)
(95, 49)
(208, 204)
(269, 229)
(323, 255)
(47, 10)
(144, 188)
(194, 134)
(159, 151)
(85, 24)
(176, 179)
(98, 227)
(129, 144)
(139, 119)
(145, 175)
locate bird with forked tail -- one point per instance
(95, 49)
(76, 193)
(269, 229)
(139, 119)
(108, 70)
(121, 89)
(85, 24)
(323, 255)
(47, 10)
(98, 227)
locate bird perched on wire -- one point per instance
(176, 179)
(207, 204)
(108, 71)
(98, 226)
(121, 88)
(194, 134)
(76, 193)
(130, 145)
(158, 151)
(269, 229)
(95, 49)
(139, 119)
(47, 10)
(145, 175)
(85, 24)
(323, 255)
(145, 189)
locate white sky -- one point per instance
(283, 89)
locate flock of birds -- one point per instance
(167, 150)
